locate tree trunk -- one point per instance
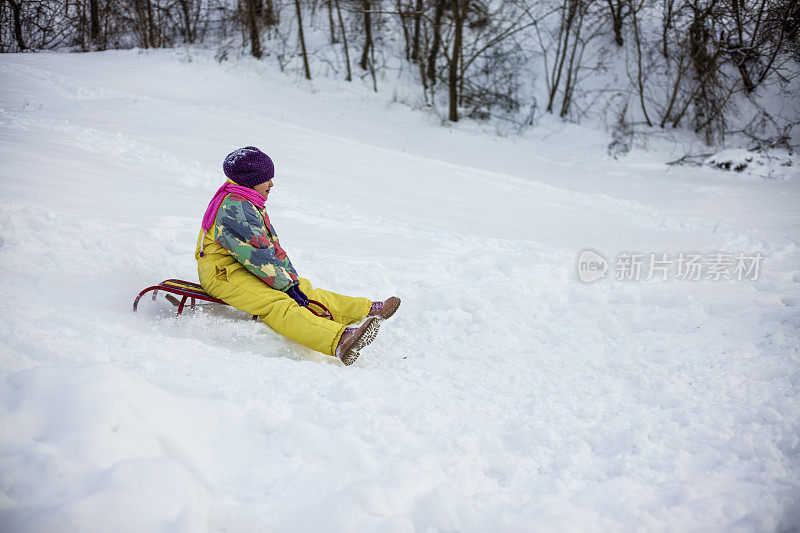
(151, 27)
(140, 23)
(406, 37)
(640, 75)
(367, 35)
(415, 55)
(270, 17)
(187, 20)
(94, 22)
(106, 23)
(666, 24)
(330, 22)
(252, 23)
(567, 19)
(16, 11)
(458, 10)
(741, 54)
(571, 76)
(437, 38)
(302, 39)
(615, 6)
(344, 41)
(675, 90)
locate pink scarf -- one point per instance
(249, 194)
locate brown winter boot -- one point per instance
(353, 339)
(385, 309)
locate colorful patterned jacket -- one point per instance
(245, 232)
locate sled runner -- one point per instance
(193, 292)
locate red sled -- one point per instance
(193, 292)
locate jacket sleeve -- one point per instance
(240, 229)
(280, 253)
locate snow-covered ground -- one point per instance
(505, 395)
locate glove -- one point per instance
(298, 296)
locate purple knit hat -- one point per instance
(248, 167)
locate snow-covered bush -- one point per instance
(755, 163)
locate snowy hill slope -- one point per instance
(506, 394)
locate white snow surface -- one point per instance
(505, 395)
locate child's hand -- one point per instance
(298, 296)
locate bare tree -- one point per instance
(402, 17)
(302, 39)
(251, 9)
(344, 41)
(436, 28)
(459, 9)
(415, 52)
(329, 4)
(640, 74)
(16, 10)
(94, 28)
(367, 10)
(571, 21)
(619, 11)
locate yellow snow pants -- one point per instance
(223, 277)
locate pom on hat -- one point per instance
(248, 167)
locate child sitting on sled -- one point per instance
(241, 262)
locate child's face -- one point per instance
(263, 188)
